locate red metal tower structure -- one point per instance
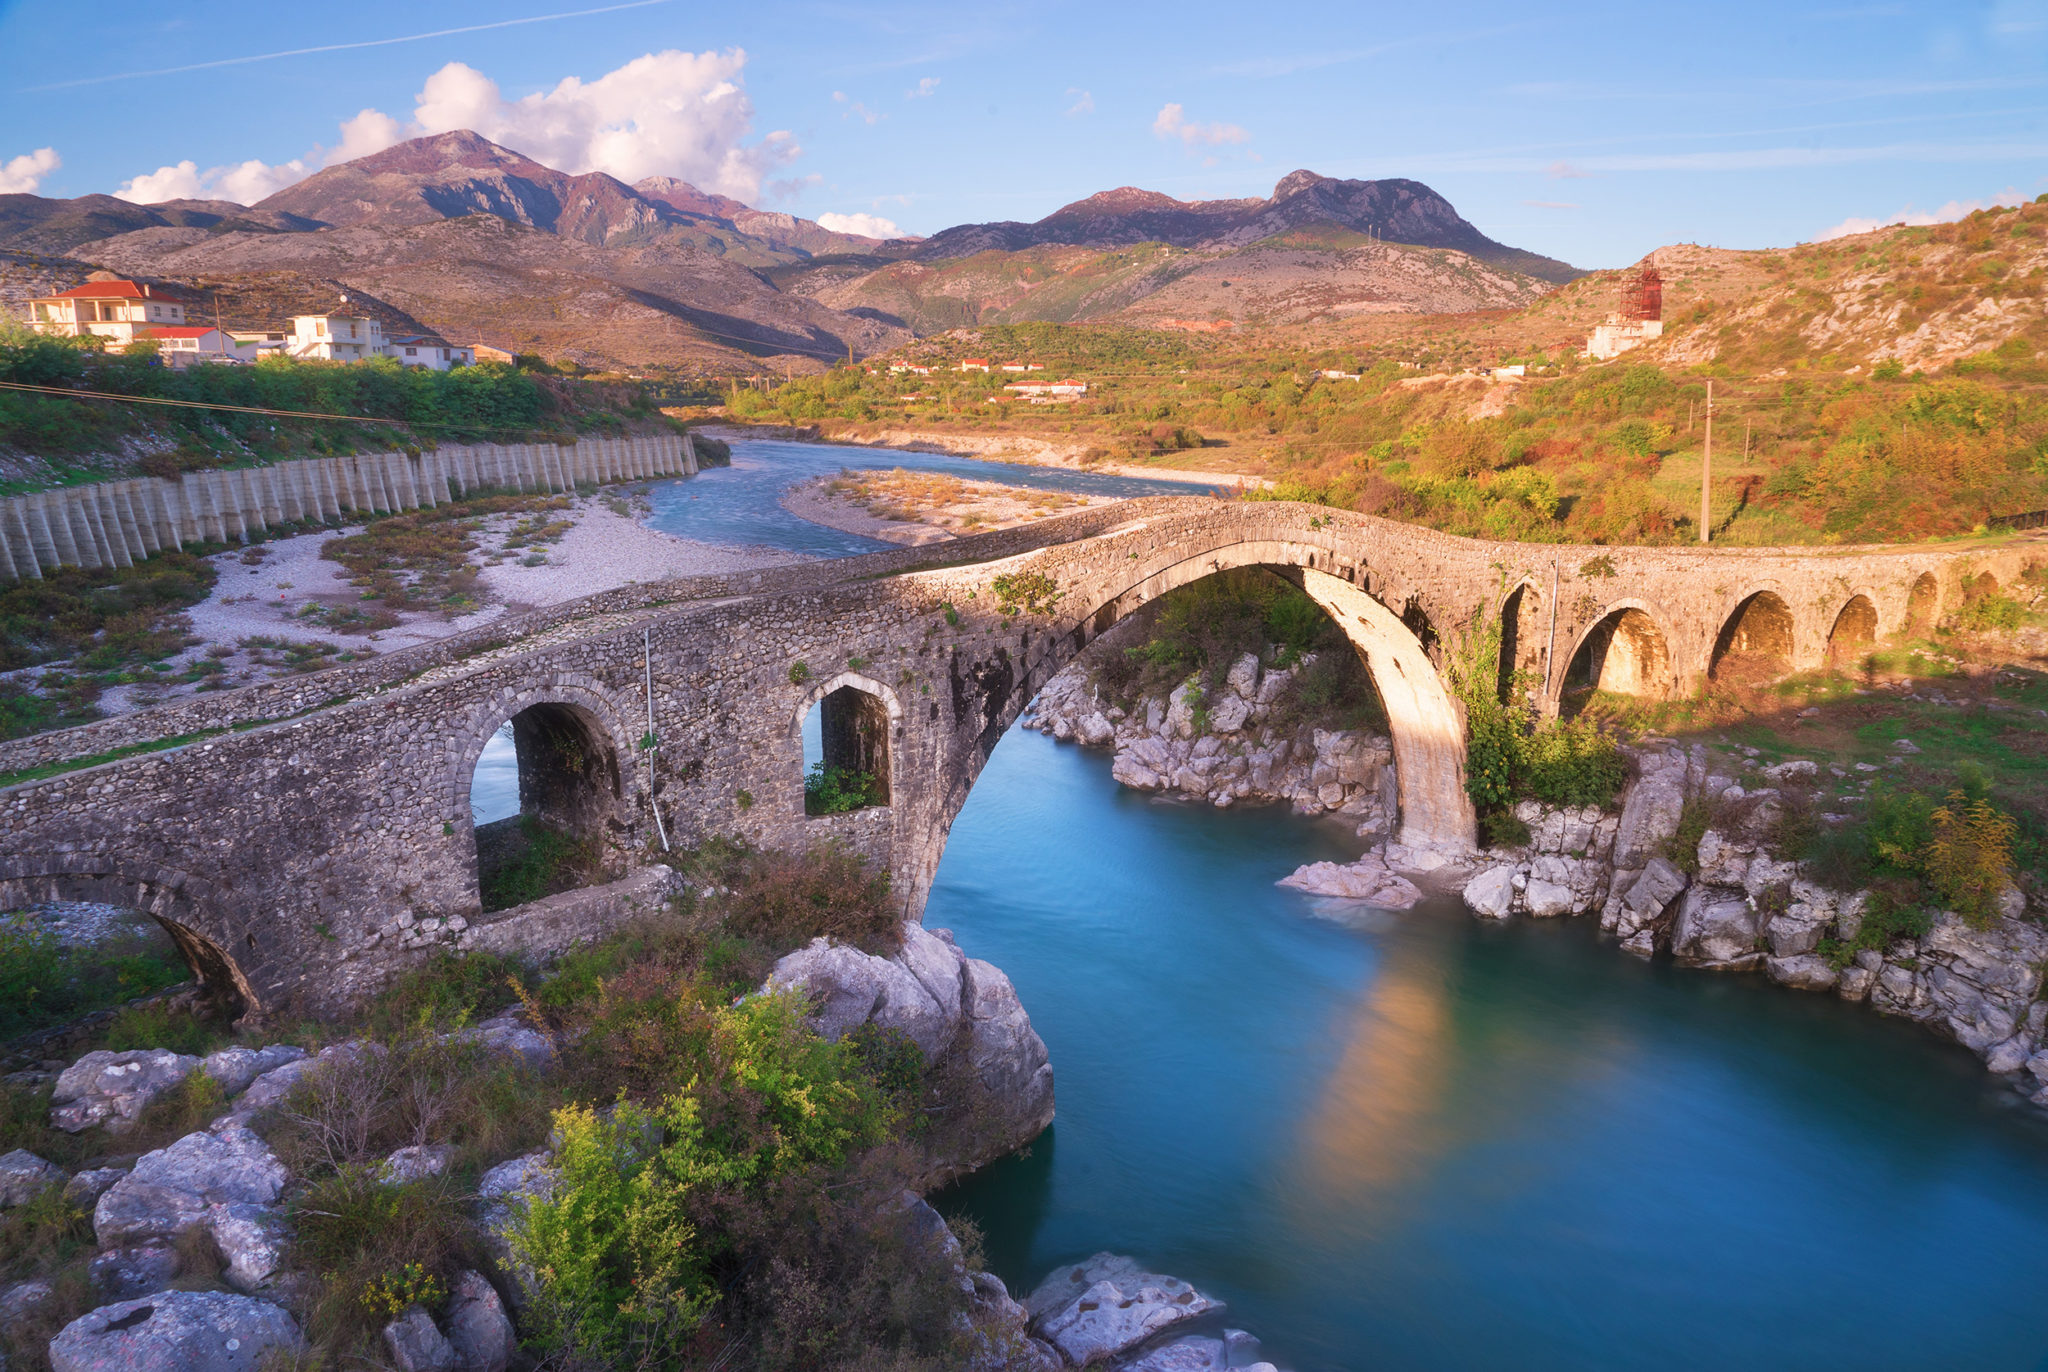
(1642, 296)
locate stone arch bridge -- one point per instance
(304, 838)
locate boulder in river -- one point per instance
(1092, 1311)
(1369, 880)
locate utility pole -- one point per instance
(1707, 469)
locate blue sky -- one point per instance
(1590, 132)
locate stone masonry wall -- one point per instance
(285, 846)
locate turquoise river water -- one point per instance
(1420, 1141)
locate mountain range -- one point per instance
(485, 243)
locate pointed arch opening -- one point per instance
(543, 792)
(1755, 643)
(1921, 603)
(1855, 631)
(846, 726)
(1625, 653)
(1522, 641)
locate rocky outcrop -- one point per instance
(1368, 881)
(1095, 1310)
(112, 1089)
(177, 1331)
(944, 1002)
(1564, 870)
(1228, 745)
(1742, 908)
(24, 1176)
(223, 1180)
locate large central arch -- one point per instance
(1426, 725)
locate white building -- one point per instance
(118, 310)
(181, 345)
(430, 351)
(336, 338)
(1618, 335)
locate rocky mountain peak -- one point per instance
(1122, 200)
(1296, 181)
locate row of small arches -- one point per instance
(1628, 653)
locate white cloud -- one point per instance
(1084, 101)
(21, 175)
(666, 113)
(925, 86)
(1172, 122)
(1565, 171)
(866, 225)
(1947, 214)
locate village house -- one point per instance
(182, 345)
(117, 310)
(1049, 392)
(430, 351)
(974, 364)
(336, 338)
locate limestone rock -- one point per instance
(1369, 880)
(136, 1212)
(1544, 900)
(1007, 1054)
(479, 1330)
(1242, 680)
(1097, 1309)
(1650, 814)
(252, 1238)
(1723, 860)
(1715, 928)
(19, 1300)
(1230, 715)
(1803, 971)
(122, 1274)
(510, 1035)
(1650, 894)
(1491, 894)
(235, 1068)
(416, 1345)
(503, 1193)
(85, 1189)
(415, 1163)
(171, 1189)
(24, 1176)
(848, 988)
(1855, 983)
(113, 1088)
(176, 1331)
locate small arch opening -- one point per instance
(1855, 631)
(80, 945)
(1920, 605)
(1521, 641)
(1624, 654)
(846, 752)
(1755, 645)
(545, 788)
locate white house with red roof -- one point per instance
(110, 306)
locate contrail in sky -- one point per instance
(345, 47)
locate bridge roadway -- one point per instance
(314, 835)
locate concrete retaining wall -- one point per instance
(119, 523)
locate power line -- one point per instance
(69, 393)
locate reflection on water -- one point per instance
(494, 790)
(1424, 1141)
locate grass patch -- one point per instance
(42, 983)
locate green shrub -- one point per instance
(158, 1025)
(1969, 861)
(450, 989)
(784, 900)
(42, 983)
(1570, 762)
(365, 1240)
(620, 1246)
(839, 790)
(1994, 611)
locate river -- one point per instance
(1417, 1140)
